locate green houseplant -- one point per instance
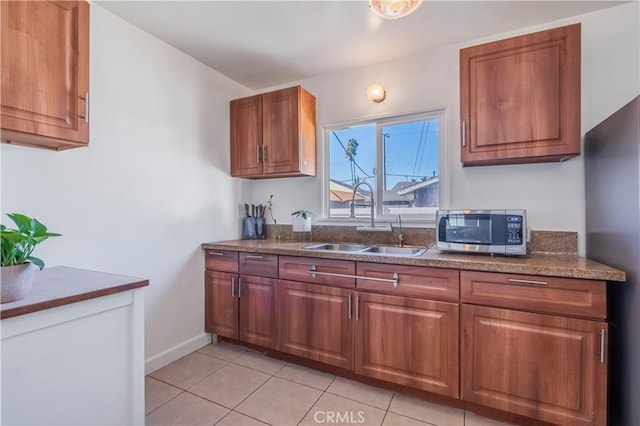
(16, 247)
(301, 221)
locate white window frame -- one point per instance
(420, 220)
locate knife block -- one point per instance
(253, 228)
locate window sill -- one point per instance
(407, 222)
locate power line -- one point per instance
(352, 159)
(424, 146)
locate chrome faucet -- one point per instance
(352, 215)
(401, 234)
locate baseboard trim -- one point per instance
(166, 357)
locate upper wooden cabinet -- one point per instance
(45, 73)
(520, 99)
(274, 134)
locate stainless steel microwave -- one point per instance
(482, 231)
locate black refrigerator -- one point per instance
(612, 176)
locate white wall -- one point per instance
(552, 193)
(152, 185)
(154, 182)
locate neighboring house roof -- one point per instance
(418, 185)
(393, 194)
(339, 191)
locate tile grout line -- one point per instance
(164, 403)
(246, 415)
(238, 353)
(302, 384)
(251, 393)
(359, 402)
(310, 408)
(414, 418)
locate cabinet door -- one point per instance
(520, 98)
(257, 310)
(541, 366)
(45, 73)
(280, 126)
(221, 304)
(246, 136)
(315, 322)
(407, 341)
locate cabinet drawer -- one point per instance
(264, 265)
(221, 260)
(298, 269)
(566, 296)
(413, 281)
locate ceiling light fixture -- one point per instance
(393, 9)
(376, 93)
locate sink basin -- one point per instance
(397, 251)
(338, 247)
(362, 248)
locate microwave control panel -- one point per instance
(514, 230)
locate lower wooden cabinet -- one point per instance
(315, 322)
(257, 319)
(221, 304)
(408, 341)
(542, 366)
(530, 345)
(241, 307)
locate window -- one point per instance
(395, 159)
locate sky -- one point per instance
(411, 152)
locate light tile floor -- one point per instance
(224, 384)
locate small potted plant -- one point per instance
(302, 221)
(16, 246)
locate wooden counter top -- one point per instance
(62, 285)
(553, 265)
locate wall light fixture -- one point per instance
(393, 9)
(376, 93)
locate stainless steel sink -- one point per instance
(397, 251)
(365, 249)
(338, 247)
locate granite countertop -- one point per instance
(553, 265)
(62, 285)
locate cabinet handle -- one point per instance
(264, 153)
(254, 256)
(357, 308)
(257, 154)
(86, 107)
(532, 282)
(394, 280)
(233, 286)
(602, 346)
(349, 306)
(464, 134)
(239, 286)
(215, 253)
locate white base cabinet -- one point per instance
(77, 364)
